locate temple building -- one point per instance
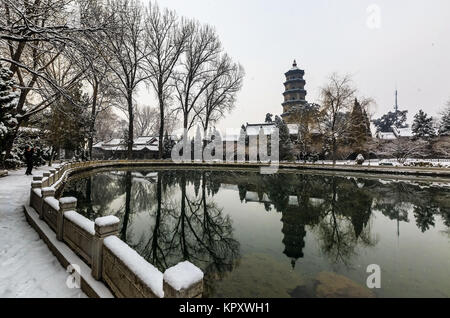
(295, 93)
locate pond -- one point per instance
(282, 235)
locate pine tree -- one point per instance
(285, 143)
(357, 131)
(423, 125)
(367, 124)
(444, 128)
(8, 103)
(397, 119)
(66, 125)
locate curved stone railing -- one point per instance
(112, 261)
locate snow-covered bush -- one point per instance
(360, 159)
(31, 137)
(9, 97)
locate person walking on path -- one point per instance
(29, 159)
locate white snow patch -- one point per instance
(52, 202)
(149, 274)
(81, 221)
(183, 275)
(22, 252)
(67, 200)
(107, 220)
(38, 192)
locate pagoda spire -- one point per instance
(294, 64)
(396, 101)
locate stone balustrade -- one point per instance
(112, 261)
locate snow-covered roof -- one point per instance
(144, 140)
(386, 135)
(113, 142)
(140, 143)
(402, 132)
(268, 128)
(253, 129)
(98, 145)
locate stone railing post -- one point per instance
(46, 192)
(36, 184)
(58, 173)
(184, 280)
(104, 227)
(46, 182)
(37, 178)
(52, 176)
(65, 204)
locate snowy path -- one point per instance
(27, 266)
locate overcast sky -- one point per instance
(409, 49)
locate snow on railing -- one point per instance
(125, 272)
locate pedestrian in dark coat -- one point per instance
(29, 159)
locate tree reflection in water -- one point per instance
(188, 224)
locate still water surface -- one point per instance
(283, 235)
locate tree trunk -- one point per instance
(130, 125)
(92, 123)
(161, 124)
(185, 122)
(8, 146)
(334, 150)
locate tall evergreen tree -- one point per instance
(444, 128)
(367, 123)
(357, 134)
(285, 143)
(8, 103)
(65, 125)
(423, 125)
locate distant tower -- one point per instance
(295, 93)
(396, 101)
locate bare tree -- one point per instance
(220, 96)
(126, 54)
(306, 118)
(196, 71)
(337, 98)
(100, 78)
(441, 146)
(166, 38)
(33, 35)
(146, 121)
(404, 148)
(106, 126)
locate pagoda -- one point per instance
(295, 93)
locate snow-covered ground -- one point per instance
(27, 266)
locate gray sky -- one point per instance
(409, 50)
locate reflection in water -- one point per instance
(174, 215)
